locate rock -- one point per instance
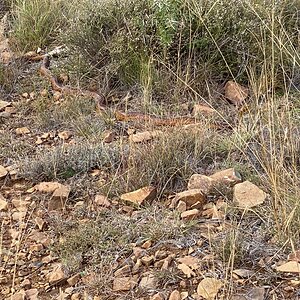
(247, 195)
(3, 203)
(56, 275)
(109, 137)
(144, 136)
(200, 109)
(257, 293)
(59, 198)
(47, 187)
(208, 288)
(147, 244)
(101, 200)
(39, 222)
(32, 294)
(147, 260)
(74, 279)
(181, 206)
(26, 284)
(4, 104)
(190, 197)
(235, 93)
(123, 272)
(148, 282)
(190, 214)
(145, 194)
(3, 172)
(64, 135)
(124, 283)
(228, 177)
(202, 182)
(18, 296)
(294, 256)
(22, 130)
(57, 95)
(175, 295)
(289, 267)
(157, 296)
(20, 205)
(36, 247)
(18, 216)
(243, 273)
(186, 270)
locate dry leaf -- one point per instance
(208, 288)
(192, 262)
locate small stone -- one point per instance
(144, 136)
(64, 135)
(101, 200)
(44, 93)
(147, 260)
(20, 205)
(200, 109)
(57, 96)
(138, 252)
(32, 95)
(26, 284)
(59, 198)
(56, 275)
(39, 222)
(247, 195)
(75, 296)
(4, 104)
(25, 95)
(175, 295)
(22, 130)
(18, 296)
(228, 176)
(123, 272)
(208, 288)
(148, 282)
(36, 247)
(235, 93)
(39, 141)
(145, 194)
(147, 244)
(32, 294)
(190, 197)
(157, 296)
(190, 214)
(181, 206)
(3, 172)
(74, 279)
(18, 216)
(202, 182)
(289, 267)
(109, 137)
(47, 187)
(3, 203)
(124, 283)
(10, 110)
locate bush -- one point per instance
(134, 41)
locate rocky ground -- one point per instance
(95, 208)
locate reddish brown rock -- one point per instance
(190, 197)
(138, 197)
(190, 214)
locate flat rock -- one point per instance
(4, 104)
(228, 176)
(47, 187)
(144, 136)
(22, 130)
(3, 203)
(148, 282)
(3, 172)
(32, 294)
(190, 197)
(235, 93)
(175, 295)
(56, 275)
(157, 296)
(208, 288)
(201, 182)
(124, 283)
(190, 214)
(247, 195)
(140, 196)
(102, 200)
(123, 272)
(200, 109)
(289, 267)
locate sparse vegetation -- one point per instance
(161, 58)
